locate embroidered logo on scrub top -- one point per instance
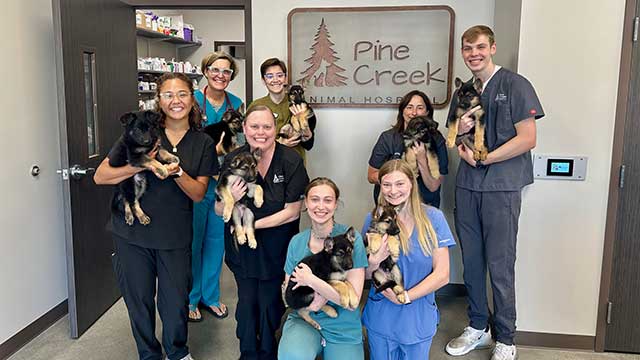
(278, 179)
(532, 111)
(501, 97)
(275, 115)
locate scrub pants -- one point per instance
(301, 341)
(207, 251)
(487, 227)
(137, 269)
(258, 315)
(381, 348)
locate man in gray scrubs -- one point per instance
(488, 195)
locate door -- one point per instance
(96, 76)
(622, 329)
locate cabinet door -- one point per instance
(96, 76)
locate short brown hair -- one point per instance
(257, 108)
(323, 181)
(212, 57)
(473, 32)
(272, 62)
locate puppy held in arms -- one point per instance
(243, 166)
(422, 129)
(331, 265)
(141, 138)
(388, 274)
(299, 125)
(229, 126)
(468, 96)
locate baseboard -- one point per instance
(17, 341)
(453, 290)
(560, 341)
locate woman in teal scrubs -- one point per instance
(208, 228)
(405, 330)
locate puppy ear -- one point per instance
(127, 118)
(257, 154)
(458, 82)
(477, 84)
(351, 235)
(328, 244)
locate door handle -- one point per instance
(76, 171)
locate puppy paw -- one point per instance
(241, 237)
(162, 172)
(253, 243)
(144, 219)
(128, 219)
(226, 215)
(401, 298)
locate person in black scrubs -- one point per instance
(391, 146)
(259, 272)
(161, 251)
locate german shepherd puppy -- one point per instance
(231, 125)
(425, 130)
(244, 166)
(388, 274)
(331, 265)
(298, 123)
(468, 96)
(141, 136)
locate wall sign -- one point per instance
(371, 56)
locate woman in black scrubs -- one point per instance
(259, 272)
(161, 251)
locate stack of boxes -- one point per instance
(170, 25)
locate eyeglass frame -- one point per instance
(168, 95)
(217, 71)
(278, 75)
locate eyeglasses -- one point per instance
(182, 95)
(278, 75)
(217, 71)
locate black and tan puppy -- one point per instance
(244, 166)
(425, 130)
(468, 96)
(141, 136)
(230, 125)
(331, 265)
(388, 274)
(301, 123)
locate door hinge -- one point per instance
(636, 23)
(609, 306)
(621, 181)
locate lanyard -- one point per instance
(204, 102)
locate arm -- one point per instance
(372, 175)
(308, 137)
(195, 189)
(290, 212)
(423, 166)
(524, 141)
(109, 175)
(303, 276)
(438, 278)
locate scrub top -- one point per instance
(170, 209)
(507, 99)
(390, 146)
(346, 328)
(284, 182)
(417, 321)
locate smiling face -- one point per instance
(260, 130)
(477, 55)
(415, 107)
(395, 187)
(275, 79)
(215, 74)
(176, 99)
(321, 203)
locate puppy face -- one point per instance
(384, 220)
(468, 94)
(341, 249)
(420, 128)
(296, 95)
(245, 165)
(234, 119)
(141, 128)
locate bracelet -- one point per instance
(407, 300)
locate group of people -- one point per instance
(184, 246)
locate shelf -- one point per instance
(156, 72)
(162, 37)
(146, 92)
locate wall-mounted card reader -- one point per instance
(559, 167)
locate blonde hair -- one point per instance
(426, 233)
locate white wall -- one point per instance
(345, 137)
(32, 269)
(570, 50)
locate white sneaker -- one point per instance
(188, 357)
(504, 352)
(470, 339)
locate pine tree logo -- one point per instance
(323, 58)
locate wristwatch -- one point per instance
(407, 301)
(179, 173)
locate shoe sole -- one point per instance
(480, 347)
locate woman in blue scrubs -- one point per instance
(208, 238)
(405, 331)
